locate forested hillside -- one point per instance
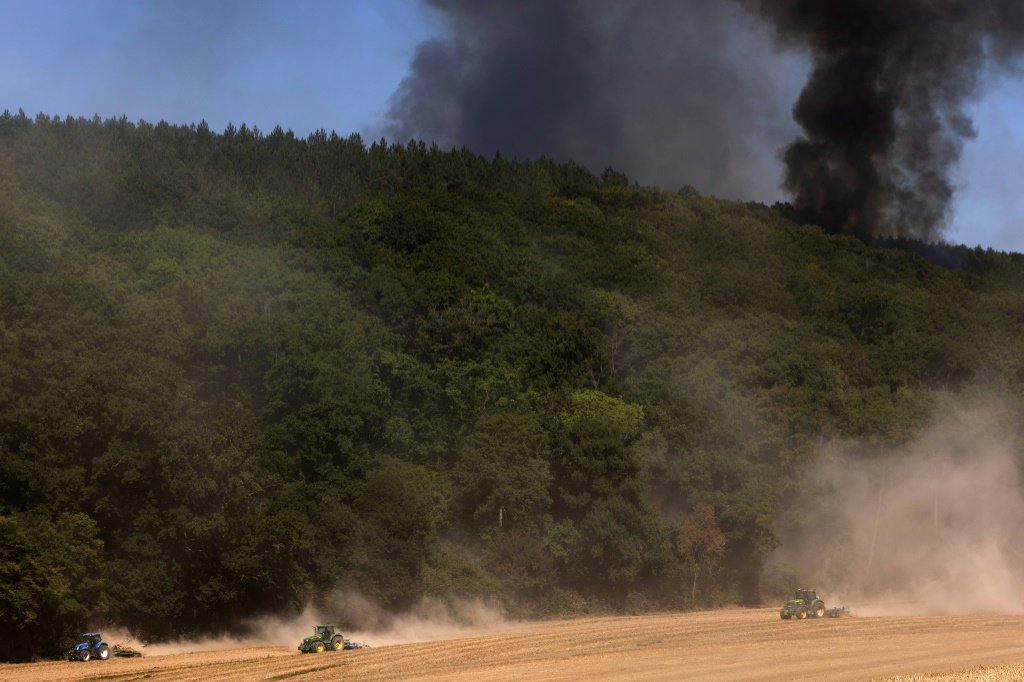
(241, 370)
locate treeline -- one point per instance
(239, 371)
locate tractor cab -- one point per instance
(807, 596)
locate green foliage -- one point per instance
(49, 582)
(401, 506)
(504, 476)
(598, 459)
(239, 371)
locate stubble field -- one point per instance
(722, 645)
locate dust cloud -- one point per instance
(933, 528)
(429, 620)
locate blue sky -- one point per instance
(301, 64)
(310, 64)
(989, 208)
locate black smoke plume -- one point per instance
(695, 92)
(670, 92)
(883, 109)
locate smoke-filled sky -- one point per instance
(698, 92)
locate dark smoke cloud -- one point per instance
(693, 92)
(883, 109)
(669, 92)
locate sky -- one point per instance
(300, 64)
(311, 64)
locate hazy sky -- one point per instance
(309, 64)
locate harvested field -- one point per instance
(721, 645)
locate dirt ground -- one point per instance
(722, 646)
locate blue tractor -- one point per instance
(92, 647)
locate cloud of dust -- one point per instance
(430, 620)
(358, 619)
(933, 528)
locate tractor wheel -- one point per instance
(338, 642)
(84, 655)
(819, 610)
(103, 653)
(320, 648)
(802, 613)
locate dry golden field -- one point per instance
(729, 645)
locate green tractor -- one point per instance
(804, 603)
(322, 639)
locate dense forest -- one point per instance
(240, 371)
